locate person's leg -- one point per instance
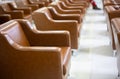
(94, 5)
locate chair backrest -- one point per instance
(42, 17)
(12, 5)
(15, 32)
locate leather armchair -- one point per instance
(79, 8)
(44, 21)
(86, 2)
(4, 18)
(111, 12)
(13, 6)
(116, 31)
(15, 14)
(82, 4)
(30, 55)
(59, 9)
(24, 3)
(47, 2)
(58, 16)
(110, 2)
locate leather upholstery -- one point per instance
(85, 2)
(59, 9)
(111, 13)
(44, 21)
(15, 13)
(64, 6)
(26, 53)
(110, 2)
(82, 5)
(24, 3)
(27, 10)
(13, 6)
(57, 16)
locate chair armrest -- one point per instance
(50, 38)
(72, 11)
(4, 18)
(27, 10)
(112, 12)
(34, 7)
(16, 14)
(38, 3)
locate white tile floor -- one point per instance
(94, 59)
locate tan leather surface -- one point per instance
(80, 6)
(64, 6)
(21, 61)
(48, 38)
(47, 23)
(36, 2)
(116, 24)
(61, 10)
(14, 13)
(24, 3)
(59, 16)
(15, 32)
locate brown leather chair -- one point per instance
(13, 6)
(15, 14)
(24, 3)
(44, 21)
(86, 2)
(111, 12)
(82, 4)
(79, 8)
(109, 3)
(59, 9)
(47, 2)
(116, 31)
(4, 18)
(58, 16)
(32, 54)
